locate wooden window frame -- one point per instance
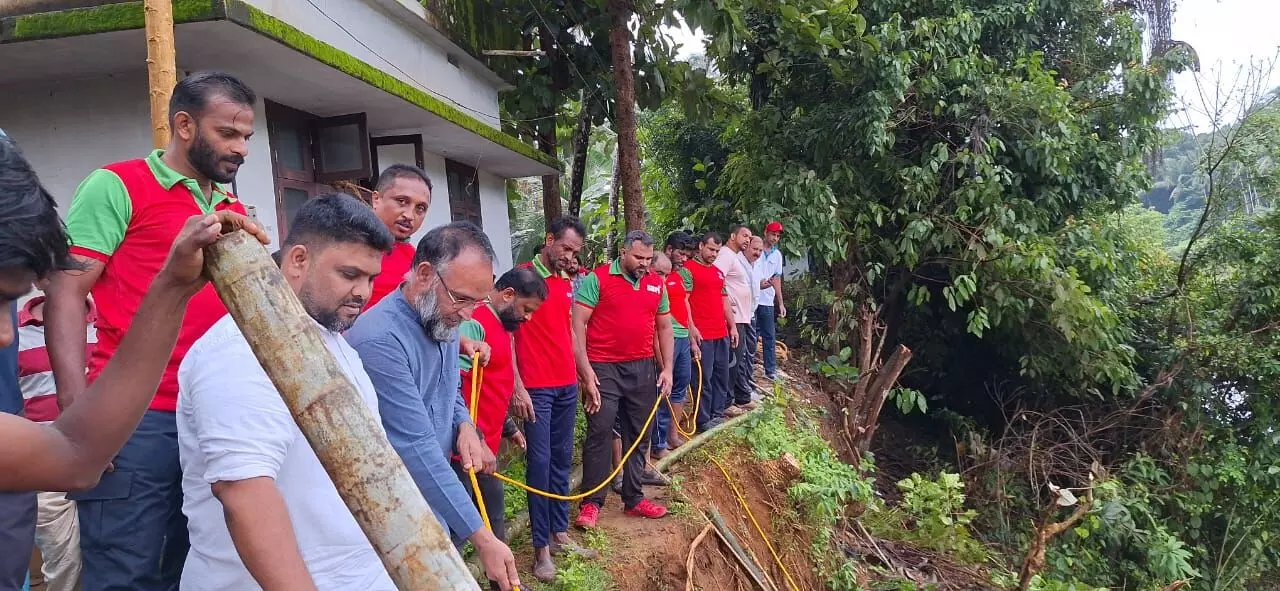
(459, 210)
(415, 140)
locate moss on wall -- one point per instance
(100, 19)
(340, 60)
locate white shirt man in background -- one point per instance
(769, 306)
(261, 510)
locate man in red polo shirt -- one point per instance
(620, 308)
(515, 297)
(401, 198)
(544, 358)
(715, 332)
(122, 222)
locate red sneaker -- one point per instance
(588, 514)
(647, 509)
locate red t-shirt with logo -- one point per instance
(706, 300)
(395, 265)
(544, 344)
(126, 216)
(624, 313)
(498, 378)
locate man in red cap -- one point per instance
(769, 304)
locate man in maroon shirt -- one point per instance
(401, 198)
(545, 359)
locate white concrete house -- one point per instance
(345, 87)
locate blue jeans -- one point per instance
(715, 382)
(549, 458)
(17, 537)
(681, 372)
(133, 535)
(767, 331)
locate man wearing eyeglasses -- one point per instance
(408, 343)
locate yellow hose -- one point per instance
(743, 501)
(476, 370)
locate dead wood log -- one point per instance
(369, 475)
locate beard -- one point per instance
(510, 320)
(205, 161)
(328, 318)
(427, 304)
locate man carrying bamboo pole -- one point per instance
(70, 453)
(122, 221)
(261, 509)
(409, 345)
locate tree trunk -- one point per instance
(614, 189)
(625, 113)
(547, 140)
(581, 142)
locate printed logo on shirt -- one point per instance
(653, 289)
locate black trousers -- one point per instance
(494, 501)
(741, 365)
(628, 392)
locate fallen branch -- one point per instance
(735, 547)
(1045, 533)
(688, 563)
(701, 438)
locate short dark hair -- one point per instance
(734, 229)
(709, 236)
(400, 171)
(337, 218)
(681, 240)
(638, 236)
(193, 93)
(32, 237)
(444, 243)
(526, 282)
(566, 222)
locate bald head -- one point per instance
(661, 264)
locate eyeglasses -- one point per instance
(460, 301)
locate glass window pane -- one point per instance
(293, 200)
(340, 147)
(291, 146)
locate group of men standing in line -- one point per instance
(216, 488)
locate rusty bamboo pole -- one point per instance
(368, 473)
(162, 69)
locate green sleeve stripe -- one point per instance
(687, 279)
(589, 290)
(664, 306)
(474, 331)
(100, 212)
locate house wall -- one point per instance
(389, 44)
(67, 129)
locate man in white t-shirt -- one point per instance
(261, 510)
(742, 298)
(769, 306)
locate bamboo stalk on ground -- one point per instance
(369, 475)
(738, 550)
